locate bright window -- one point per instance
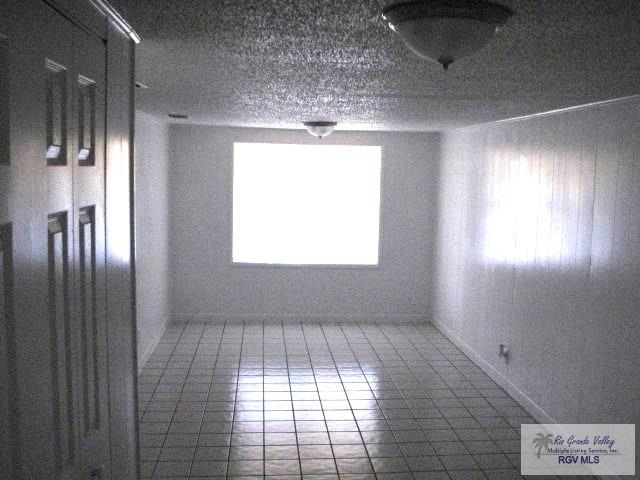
(306, 204)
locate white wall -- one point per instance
(539, 249)
(152, 231)
(205, 284)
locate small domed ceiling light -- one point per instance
(320, 129)
(445, 30)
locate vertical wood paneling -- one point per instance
(547, 259)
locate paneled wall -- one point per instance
(204, 282)
(152, 231)
(539, 249)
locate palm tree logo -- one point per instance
(542, 441)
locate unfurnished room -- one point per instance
(319, 240)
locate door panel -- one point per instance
(56, 106)
(39, 58)
(61, 344)
(86, 105)
(8, 401)
(89, 241)
(8, 392)
(52, 247)
(88, 291)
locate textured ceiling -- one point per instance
(277, 63)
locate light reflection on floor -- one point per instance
(322, 401)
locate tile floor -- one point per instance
(322, 401)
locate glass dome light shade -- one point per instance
(320, 129)
(446, 30)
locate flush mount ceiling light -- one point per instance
(320, 129)
(446, 30)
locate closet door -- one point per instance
(37, 214)
(53, 399)
(89, 55)
(8, 392)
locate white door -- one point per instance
(54, 400)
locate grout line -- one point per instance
(293, 412)
(313, 372)
(204, 413)
(349, 400)
(166, 367)
(184, 382)
(264, 420)
(235, 400)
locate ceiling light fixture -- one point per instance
(445, 30)
(320, 128)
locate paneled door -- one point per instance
(89, 99)
(54, 414)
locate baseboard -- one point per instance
(521, 397)
(532, 408)
(294, 318)
(143, 357)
